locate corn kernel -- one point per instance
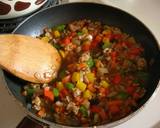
(104, 84)
(60, 85)
(80, 85)
(62, 53)
(56, 33)
(90, 77)
(87, 94)
(45, 39)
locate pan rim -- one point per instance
(115, 123)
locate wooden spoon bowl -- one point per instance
(29, 58)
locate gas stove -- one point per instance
(8, 25)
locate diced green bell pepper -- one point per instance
(30, 91)
(90, 62)
(83, 110)
(70, 86)
(60, 27)
(122, 95)
(55, 92)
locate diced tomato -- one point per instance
(116, 79)
(48, 94)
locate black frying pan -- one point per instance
(61, 14)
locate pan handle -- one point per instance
(29, 122)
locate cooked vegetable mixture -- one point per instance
(101, 79)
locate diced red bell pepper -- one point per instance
(114, 105)
(103, 91)
(79, 100)
(116, 102)
(130, 89)
(66, 41)
(86, 47)
(126, 44)
(72, 35)
(96, 41)
(135, 51)
(113, 55)
(136, 95)
(116, 79)
(99, 110)
(114, 109)
(94, 70)
(66, 79)
(108, 36)
(59, 109)
(116, 36)
(63, 93)
(48, 94)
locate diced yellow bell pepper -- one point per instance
(56, 33)
(107, 32)
(104, 84)
(87, 94)
(84, 30)
(60, 85)
(62, 53)
(80, 85)
(105, 39)
(45, 39)
(76, 77)
(90, 77)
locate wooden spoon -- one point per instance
(29, 58)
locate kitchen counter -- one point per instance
(145, 10)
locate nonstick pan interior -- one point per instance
(63, 14)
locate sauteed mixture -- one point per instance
(101, 79)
